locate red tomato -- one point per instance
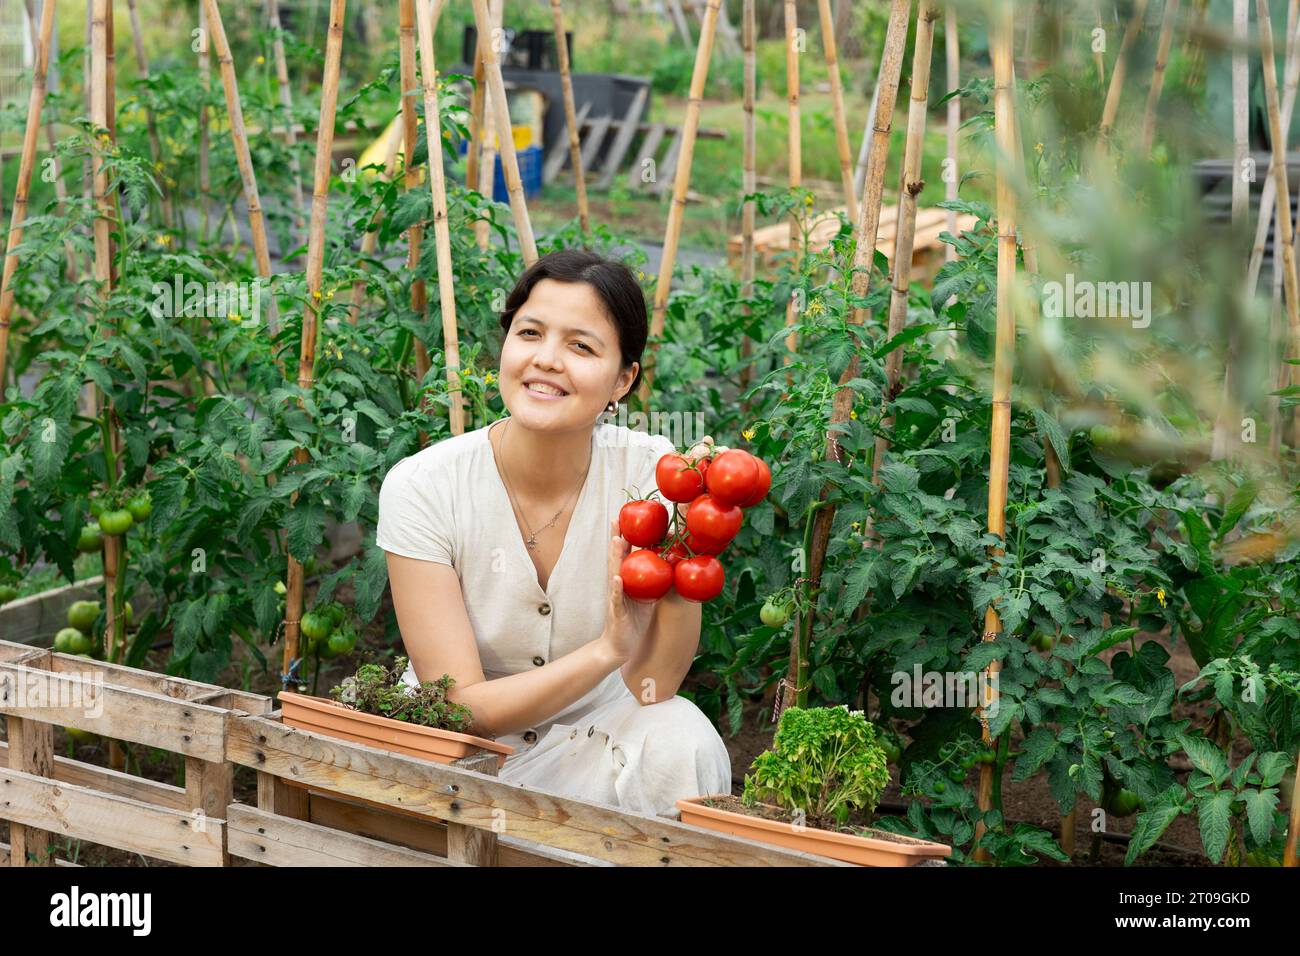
(733, 477)
(763, 486)
(675, 554)
(701, 546)
(643, 523)
(699, 578)
(712, 521)
(677, 481)
(646, 576)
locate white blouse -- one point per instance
(447, 504)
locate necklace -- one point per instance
(531, 543)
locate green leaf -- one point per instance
(47, 448)
(1205, 757)
(189, 628)
(1260, 806)
(1148, 828)
(1272, 767)
(1215, 815)
(1237, 506)
(306, 526)
(1050, 427)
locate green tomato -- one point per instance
(967, 762)
(90, 540)
(7, 593)
(341, 642)
(116, 522)
(96, 506)
(1121, 802)
(316, 626)
(956, 775)
(82, 615)
(940, 786)
(337, 613)
(69, 640)
(893, 753)
(986, 756)
(280, 588)
(1104, 435)
(774, 615)
(140, 506)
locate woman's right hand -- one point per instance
(625, 620)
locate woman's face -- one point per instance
(562, 337)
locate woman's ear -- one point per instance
(625, 380)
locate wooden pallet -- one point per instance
(320, 800)
(772, 242)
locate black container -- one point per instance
(526, 50)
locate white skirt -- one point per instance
(611, 749)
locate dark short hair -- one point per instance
(613, 282)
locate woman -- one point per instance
(503, 556)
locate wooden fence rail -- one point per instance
(320, 801)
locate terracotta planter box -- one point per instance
(331, 718)
(891, 850)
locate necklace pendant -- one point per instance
(532, 544)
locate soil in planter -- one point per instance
(768, 811)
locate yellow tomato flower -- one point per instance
(489, 379)
(853, 415)
(1160, 596)
(807, 200)
(1038, 148)
(316, 295)
(261, 60)
(234, 317)
(749, 434)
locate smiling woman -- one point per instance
(495, 539)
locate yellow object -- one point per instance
(385, 147)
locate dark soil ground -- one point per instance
(1028, 801)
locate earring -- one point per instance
(611, 407)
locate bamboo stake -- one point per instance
(1158, 77)
(864, 148)
(496, 90)
(1286, 232)
(155, 145)
(571, 120)
(1293, 831)
(837, 106)
(681, 182)
(315, 266)
(912, 186)
(1004, 349)
(256, 223)
(1111, 108)
(60, 189)
(795, 687)
(1098, 57)
(748, 176)
(286, 104)
(794, 152)
(411, 176)
(18, 215)
(477, 107)
(950, 39)
(1241, 146)
(441, 229)
(487, 166)
(205, 182)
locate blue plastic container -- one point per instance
(530, 173)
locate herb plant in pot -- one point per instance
(376, 708)
(815, 791)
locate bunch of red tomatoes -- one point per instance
(715, 490)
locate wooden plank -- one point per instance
(84, 702)
(463, 796)
(623, 139)
(5, 852)
(31, 751)
(11, 653)
(664, 174)
(277, 796)
(282, 841)
(420, 832)
(83, 814)
(175, 687)
(209, 791)
(559, 153)
(591, 144)
(649, 146)
(237, 700)
(114, 782)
